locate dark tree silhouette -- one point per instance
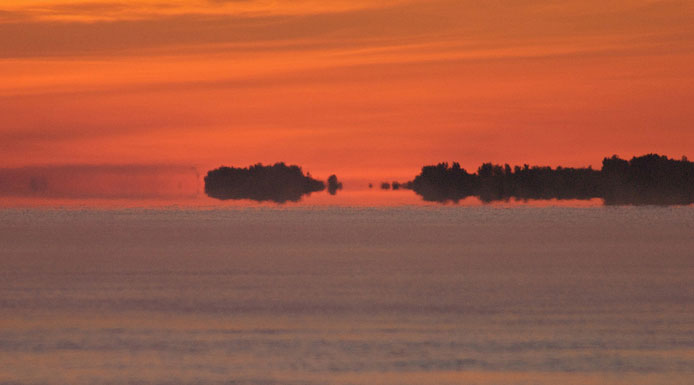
(278, 183)
(649, 179)
(333, 184)
(385, 186)
(442, 183)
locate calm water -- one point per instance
(421, 295)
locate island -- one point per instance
(650, 179)
(276, 183)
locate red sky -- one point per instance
(359, 88)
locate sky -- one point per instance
(358, 88)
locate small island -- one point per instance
(333, 184)
(277, 183)
(645, 180)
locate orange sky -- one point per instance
(360, 88)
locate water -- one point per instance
(338, 295)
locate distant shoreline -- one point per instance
(650, 179)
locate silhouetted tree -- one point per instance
(442, 183)
(333, 184)
(648, 179)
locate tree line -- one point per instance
(647, 179)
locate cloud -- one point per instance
(453, 25)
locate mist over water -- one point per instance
(337, 295)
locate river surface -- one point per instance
(340, 295)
